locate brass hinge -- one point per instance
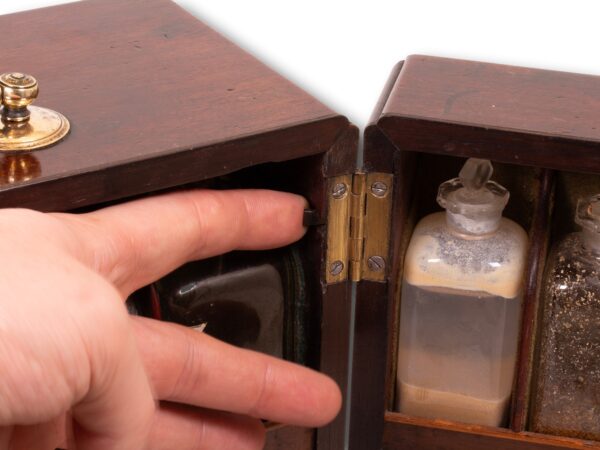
(358, 227)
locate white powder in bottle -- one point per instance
(461, 304)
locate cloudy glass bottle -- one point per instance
(461, 304)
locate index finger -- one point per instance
(135, 243)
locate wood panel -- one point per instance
(373, 308)
(155, 99)
(336, 301)
(539, 238)
(403, 432)
(510, 114)
(335, 345)
(368, 369)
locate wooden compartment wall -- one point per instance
(534, 125)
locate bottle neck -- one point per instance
(591, 241)
(480, 226)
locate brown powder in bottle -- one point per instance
(567, 399)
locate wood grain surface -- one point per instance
(404, 433)
(511, 114)
(155, 99)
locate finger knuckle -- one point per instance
(190, 375)
(263, 393)
(214, 209)
(116, 254)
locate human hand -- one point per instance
(77, 371)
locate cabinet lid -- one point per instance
(504, 113)
(155, 99)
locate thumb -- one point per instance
(118, 408)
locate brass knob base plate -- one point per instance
(44, 128)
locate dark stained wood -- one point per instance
(385, 95)
(290, 438)
(336, 301)
(403, 214)
(374, 301)
(368, 368)
(341, 158)
(539, 237)
(335, 331)
(403, 432)
(379, 151)
(162, 172)
(376, 309)
(373, 308)
(497, 96)
(155, 99)
(509, 114)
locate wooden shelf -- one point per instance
(403, 433)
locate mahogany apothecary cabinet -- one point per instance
(158, 101)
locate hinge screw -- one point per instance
(339, 190)
(336, 268)
(379, 189)
(376, 263)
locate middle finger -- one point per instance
(186, 366)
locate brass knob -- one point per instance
(25, 127)
(19, 90)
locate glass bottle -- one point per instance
(254, 300)
(567, 395)
(461, 304)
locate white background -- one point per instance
(342, 51)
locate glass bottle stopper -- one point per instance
(473, 203)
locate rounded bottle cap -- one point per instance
(473, 203)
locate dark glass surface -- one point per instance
(254, 300)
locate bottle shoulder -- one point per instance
(438, 257)
(571, 267)
(572, 246)
(508, 231)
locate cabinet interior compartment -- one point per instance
(538, 124)
(418, 176)
(535, 195)
(302, 270)
(303, 176)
